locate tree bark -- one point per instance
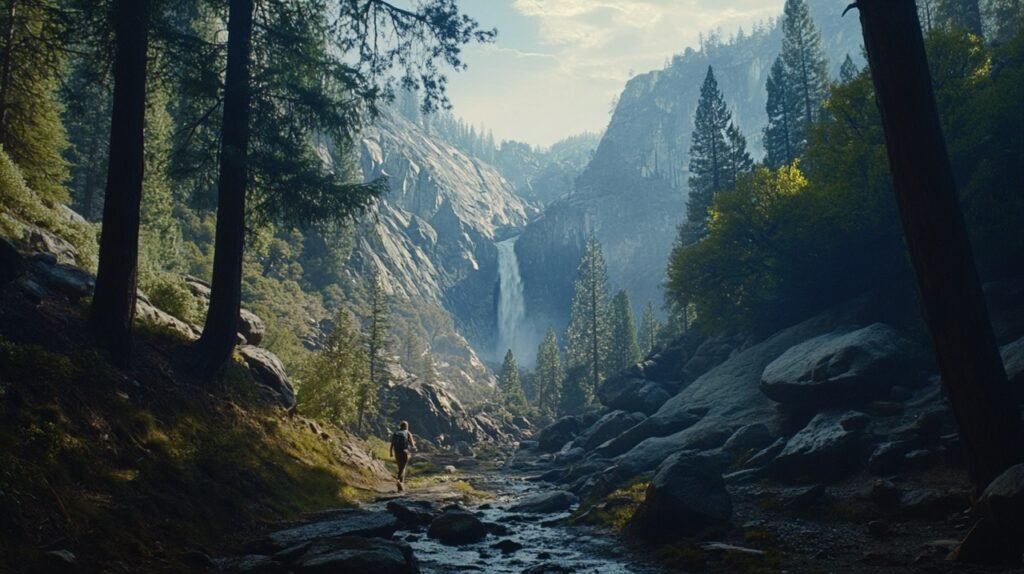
(5, 75)
(113, 305)
(220, 331)
(972, 369)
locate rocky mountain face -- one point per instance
(433, 235)
(632, 195)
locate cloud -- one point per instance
(580, 57)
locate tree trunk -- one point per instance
(221, 328)
(972, 369)
(5, 75)
(113, 305)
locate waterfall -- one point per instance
(511, 309)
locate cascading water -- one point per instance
(511, 309)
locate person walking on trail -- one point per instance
(402, 445)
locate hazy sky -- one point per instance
(557, 64)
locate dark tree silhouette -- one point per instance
(218, 338)
(113, 305)
(972, 369)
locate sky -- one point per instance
(557, 65)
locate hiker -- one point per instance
(402, 444)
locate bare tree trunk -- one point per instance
(972, 369)
(221, 328)
(113, 305)
(5, 75)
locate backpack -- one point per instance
(400, 440)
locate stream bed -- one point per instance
(547, 545)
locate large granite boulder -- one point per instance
(998, 538)
(846, 367)
(560, 432)
(546, 502)
(269, 374)
(607, 427)
(251, 327)
(435, 414)
(1013, 360)
(457, 527)
(828, 448)
(358, 554)
(686, 497)
(150, 314)
(345, 524)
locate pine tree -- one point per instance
(625, 350)
(587, 337)
(781, 135)
(709, 172)
(737, 159)
(87, 99)
(576, 391)
(427, 368)
(848, 71)
(330, 382)
(549, 374)
(377, 339)
(649, 327)
(31, 62)
(1003, 18)
(511, 389)
(806, 77)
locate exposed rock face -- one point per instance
(251, 327)
(269, 373)
(558, 434)
(847, 367)
(686, 497)
(632, 195)
(1013, 360)
(606, 428)
(432, 236)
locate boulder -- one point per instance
(46, 241)
(556, 435)
(412, 513)
(251, 564)
(73, 282)
(435, 414)
(629, 393)
(546, 502)
(748, 438)
(928, 504)
(12, 263)
(251, 327)
(842, 368)
(358, 554)
(457, 527)
(823, 450)
(728, 396)
(1013, 360)
(684, 498)
(347, 524)
(269, 373)
(999, 535)
(607, 427)
(1005, 301)
(148, 313)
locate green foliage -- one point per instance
(624, 351)
(333, 380)
(32, 60)
(577, 391)
(511, 389)
(548, 375)
(588, 336)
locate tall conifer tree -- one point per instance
(709, 152)
(625, 351)
(511, 388)
(649, 327)
(806, 78)
(781, 135)
(587, 337)
(549, 374)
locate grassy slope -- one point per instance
(145, 470)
